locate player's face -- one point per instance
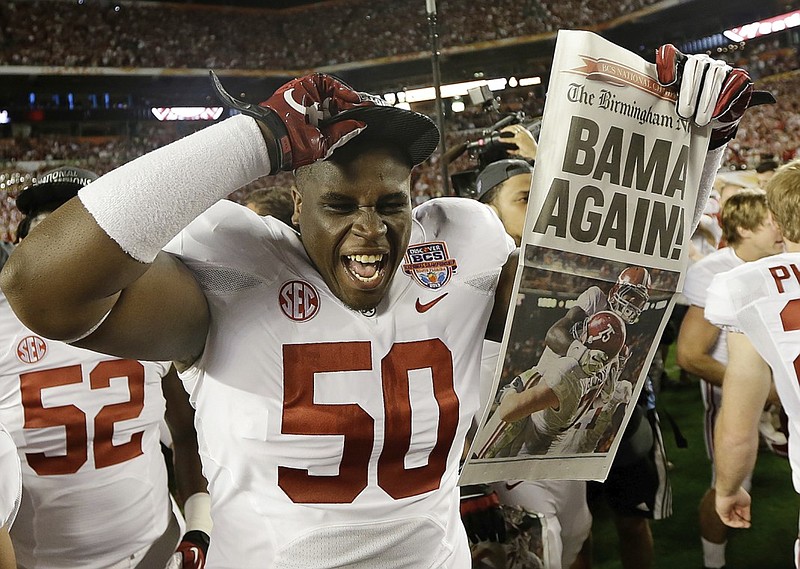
(354, 217)
(766, 239)
(511, 205)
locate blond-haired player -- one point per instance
(702, 350)
(759, 304)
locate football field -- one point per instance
(766, 545)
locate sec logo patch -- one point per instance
(299, 300)
(31, 349)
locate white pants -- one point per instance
(566, 514)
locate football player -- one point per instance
(554, 395)
(758, 304)
(10, 491)
(87, 430)
(505, 186)
(307, 351)
(638, 476)
(751, 234)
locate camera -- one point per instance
(492, 144)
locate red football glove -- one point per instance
(709, 91)
(295, 114)
(191, 552)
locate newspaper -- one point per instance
(604, 251)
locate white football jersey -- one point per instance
(695, 288)
(762, 300)
(11, 487)
(591, 426)
(576, 393)
(86, 427)
(332, 437)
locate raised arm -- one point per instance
(92, 273)
(710, 92)
(502, 299)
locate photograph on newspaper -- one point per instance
(603, 253)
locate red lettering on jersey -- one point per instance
(31, 349)
(781, 273)
(299, 300)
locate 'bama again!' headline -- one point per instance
(590, 215)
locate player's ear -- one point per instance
(297, 198)
(743, 233)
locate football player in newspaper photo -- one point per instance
(574, 384)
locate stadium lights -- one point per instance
(763, 27)
(452, 90)
(527, 81)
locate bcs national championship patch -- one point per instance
(429, 264)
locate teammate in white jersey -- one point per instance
(758, 303)
(87, 426)
(335, 370)
(505, 186)
(751, 234)
(10, 492)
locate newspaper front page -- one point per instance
(604, 251)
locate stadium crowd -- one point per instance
(770, 131)
(126, 34)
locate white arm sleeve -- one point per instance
(710, 168)
(146, 202)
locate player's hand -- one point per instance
(709, 91)
(481, 514)
(623, 390)
(520, 142)
(191, 552)
(295, 116)
(591, 361)
(734, 510)
(516, 385)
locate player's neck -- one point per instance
(746, 253)
(791, 247)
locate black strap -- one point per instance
(680, 440)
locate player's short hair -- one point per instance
(275, 201)
(746, 209)
(783, 196)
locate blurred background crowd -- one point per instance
(89, 39)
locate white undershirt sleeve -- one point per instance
(145, 203)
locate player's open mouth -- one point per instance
(366, 269)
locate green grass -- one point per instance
(766, 545)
